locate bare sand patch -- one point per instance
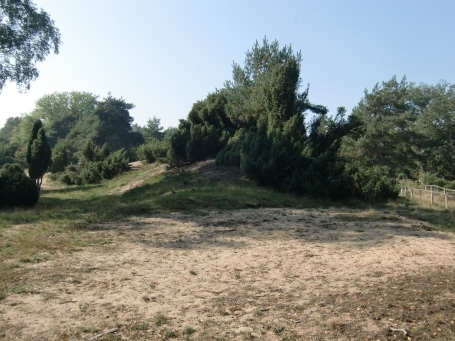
(264, 274)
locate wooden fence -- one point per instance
(430, 193)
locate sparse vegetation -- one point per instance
(160, 320)
(83, 307)
(188, 330)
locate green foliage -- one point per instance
(153, 130)
(27, 36)
(91, 152)
(33, 135)
(39, 155)
(435, 112)
(433, 179)
(372, 183)
(7, 148)
(405, 127)
(204, 133)
(153, 150)
(102, 166)
(6, 132)
(382, 134)
(113, 123)
(91, 173)
(59, 158)
(114, 164)
(230, 154)
(257, 123)
(70, 176)
(61, 112)
(16, 189)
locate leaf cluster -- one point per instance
(27, 36)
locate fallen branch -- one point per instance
(113, 330)
(404, 331)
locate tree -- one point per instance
(7, 131)
(382, 129)
(27, 36)
(8, 149)
(39, 156)
(206, 130)
(61, 111)
(59, 158)
(113, 123)
(153, 129)
(435, 124)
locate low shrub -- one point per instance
(153, 150)
(94, 171)
(372, 185)
(16, 188)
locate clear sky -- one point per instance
(165, 55)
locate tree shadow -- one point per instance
(237, 229)
(69, 189)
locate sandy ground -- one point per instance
(263, 274)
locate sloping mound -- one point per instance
(212, 173)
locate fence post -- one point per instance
(431, 198)
(446, 202)
(412, 193)
(420, 195)
(405, 191)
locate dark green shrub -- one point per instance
(371, 184)
(432, 179)
(91, 173)
(116, 163)
(230, 154)
(153, 150)
(59, 158)
(204, 133)
(70, 176)
(16, 188)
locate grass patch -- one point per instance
(160, 320)
(83, 307)
(188, 330)
(170, 333)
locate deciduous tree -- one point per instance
(27, 36)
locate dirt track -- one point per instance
(265, 274)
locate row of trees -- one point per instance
(257, 122)
(70, 119)
(90, 140)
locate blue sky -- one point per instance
(165, 55)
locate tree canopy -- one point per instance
(27, 36)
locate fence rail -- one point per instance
(406, 190)
(438, 188)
